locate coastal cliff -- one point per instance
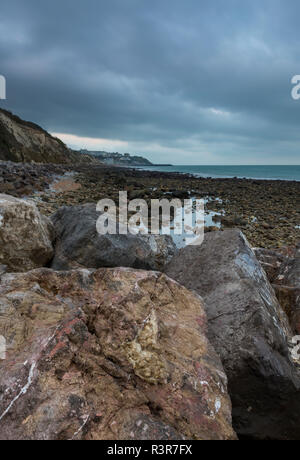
(23, 141)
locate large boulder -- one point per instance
(249, 330)
(79, 245)
(107, 354)
(25, 235)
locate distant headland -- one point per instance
(120, 159)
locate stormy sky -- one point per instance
(186, 82)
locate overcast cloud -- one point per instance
(187, 82)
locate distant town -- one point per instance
(119, 159)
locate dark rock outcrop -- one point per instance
(283, 271)
(78, 244)
(249, 330)
(290, 271)
(271, 261)
(287, 288)
(112, 354)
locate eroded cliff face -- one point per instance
(23, 141)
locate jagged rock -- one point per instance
(287, 288)
(107, 354)
(289, 273)
(271, 261)
(249, 330)
(283, 271)
(78, 244)
(289, 299)
(25, 235)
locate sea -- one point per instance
(274, 172)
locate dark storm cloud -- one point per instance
(195, 81)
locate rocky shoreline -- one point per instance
(268, 212)
(125, 336)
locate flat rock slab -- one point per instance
(107, 354)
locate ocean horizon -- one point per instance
(267, 172)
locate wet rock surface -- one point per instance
(249, 330)
(109, 354)
(79, 245)
(25, 235)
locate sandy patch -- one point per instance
(66, 185)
